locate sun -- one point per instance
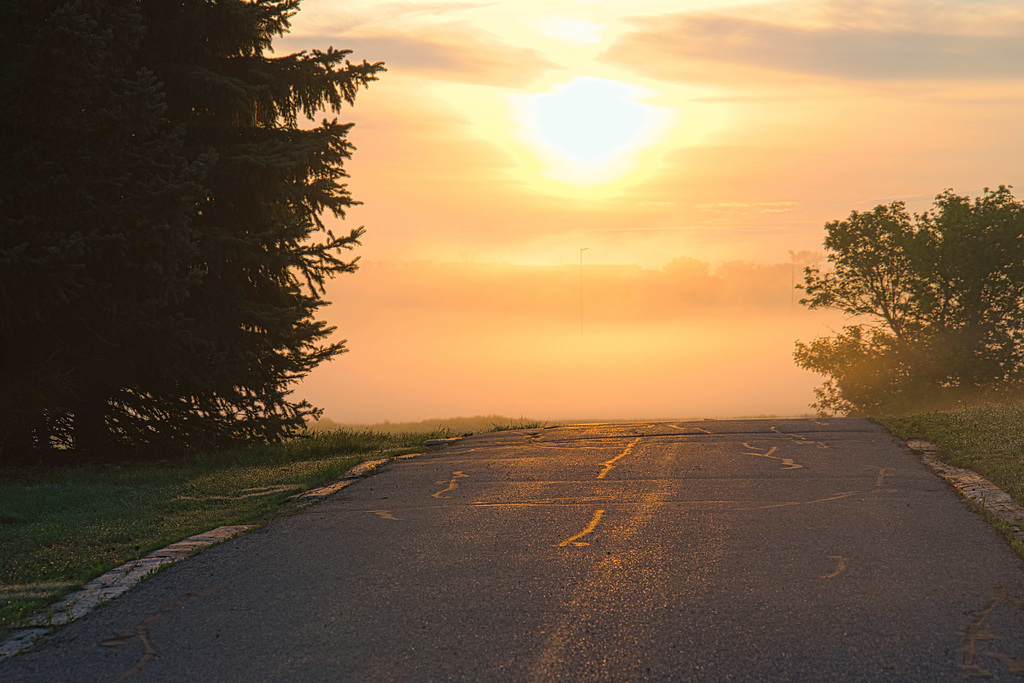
(589, 130)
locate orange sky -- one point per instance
(518, 133)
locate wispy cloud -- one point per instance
(700, 46)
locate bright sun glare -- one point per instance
(589, 130)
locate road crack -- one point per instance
(787, 463)
(141, 631)
(609, 464)
(452, 485)
(590, 527)
(978, 631)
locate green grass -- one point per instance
(61, 527)
(987, 438)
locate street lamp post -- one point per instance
(581, 288)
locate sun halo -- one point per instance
(589, 131)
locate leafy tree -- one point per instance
(936, 302)
(171, 303)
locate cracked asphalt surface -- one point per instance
(716, 550)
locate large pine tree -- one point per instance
(96, 198)
(162, 242)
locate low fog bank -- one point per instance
(611, 293)
(430, 340)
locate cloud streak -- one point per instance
(696, 46)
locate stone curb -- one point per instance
(973, 486)
(364, 468)
(117, 581)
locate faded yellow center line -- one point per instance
(609, 464)
(452, 485)
(840, 566)
(384, 514)
(590, 527)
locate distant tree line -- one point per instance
(162, 246)
(936, 303)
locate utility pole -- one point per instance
(581, 289)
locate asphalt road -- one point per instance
(716, 550)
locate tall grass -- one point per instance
(455, 425)
(521, 423)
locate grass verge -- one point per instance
(62, 527)
(987, 438)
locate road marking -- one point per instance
(840, 566)
(609, 464)
(590, 527)
(384, 514)
(787, 463)
(452, 485)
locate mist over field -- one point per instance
(715, 131)
(435, 340)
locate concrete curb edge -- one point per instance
(974, 487)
